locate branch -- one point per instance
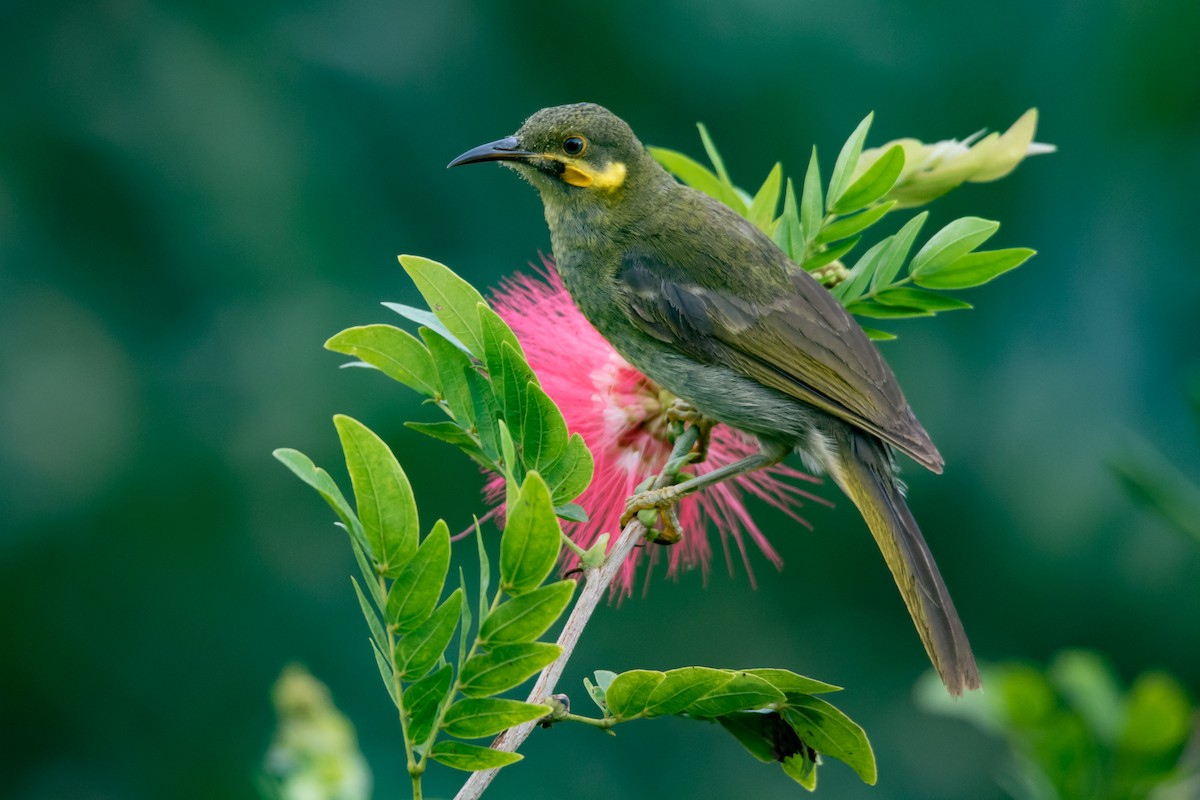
(596, 584)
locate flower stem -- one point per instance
(596, 584)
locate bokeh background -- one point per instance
(194, 195)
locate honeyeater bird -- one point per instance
(704, 303)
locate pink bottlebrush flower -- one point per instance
(620, 413)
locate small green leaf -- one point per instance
(848, 226)
(956, 239)
(698, 176)
(790, 683)
(828, 256)
(416, 590)
(450, 298)
(896, 252)
(627, 695)
(873, 184)
(495, 332)
(811, 204)
(1158, 716)
(487, 413)
(452, 366)
(757, 732)
(543, 430)
(742, 692)
(571, 512)
(532, 538)
(396, 353)
(509, 385)
(419, 650)
(973, 269)
(510, 466)
(384, 497)
(919, 298)
(878, 335)
(471, 757)
(788, 235)
(371, 616)
(422, 700)
(885, 256)
(682, 687)
(366, 569)
(485, 575)
(304, 469)
(847, 160)
(427, 319)
(572, 473)
(525, 618)
(445, 431)
(766, 199)
(869, 308)
(476, 717)
(832, 733)
(713, 155)
(801, 769)
(385, 672)
(506, 666)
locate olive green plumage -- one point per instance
(703, 302)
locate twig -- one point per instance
(596, 584)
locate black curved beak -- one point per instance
(506, 149)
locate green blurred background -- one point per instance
(194, 195)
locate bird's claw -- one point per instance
(684, 412)
(662, 503)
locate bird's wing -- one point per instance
(797, 339)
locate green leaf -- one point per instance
(887, 255)
(757, 732)
(485, 575)
(304, 469)
(427, 319)
(510, 384)
(450, 298)
(629, 692)
(811, 204)
(919, 298)
(396, 353)
(832, 733)
(788, 235)
(873, 184)
(1089, 685)
(848, 226)
(571, 512)
(1158, 715)
(878, 336)
(532, 538)
(383, 495)
(896, 252)
(487, 413)
(419, 650)
(506, 666)
(495, 332)
(974, 269)
(525, 618)
(713, 155)
(543, 430)
(682, 687)
(831, 254)
(476, 717)
(385, 672)
(445, 431)
(416, 590)
(847, 160)
(422, 700)
(801, 769)
(452, 366)
(789, 682)
(742, 692)
(698, 176)
(571, 474)
(869, 308)
(371, 616)
(510, 465)
(369, 575)
(956, 239)
(471, 757)
(766, 199)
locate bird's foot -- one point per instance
(685, 412)
(655, 505)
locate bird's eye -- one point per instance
(573, 145)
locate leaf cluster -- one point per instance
(1075, 733)
(773, 713)
(412, 619)
(826, 222)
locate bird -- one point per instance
(704, 303)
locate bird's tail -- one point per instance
(865, 474)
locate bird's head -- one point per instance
(582, 151)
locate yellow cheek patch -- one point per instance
(609, 178)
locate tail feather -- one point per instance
(865, 474)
